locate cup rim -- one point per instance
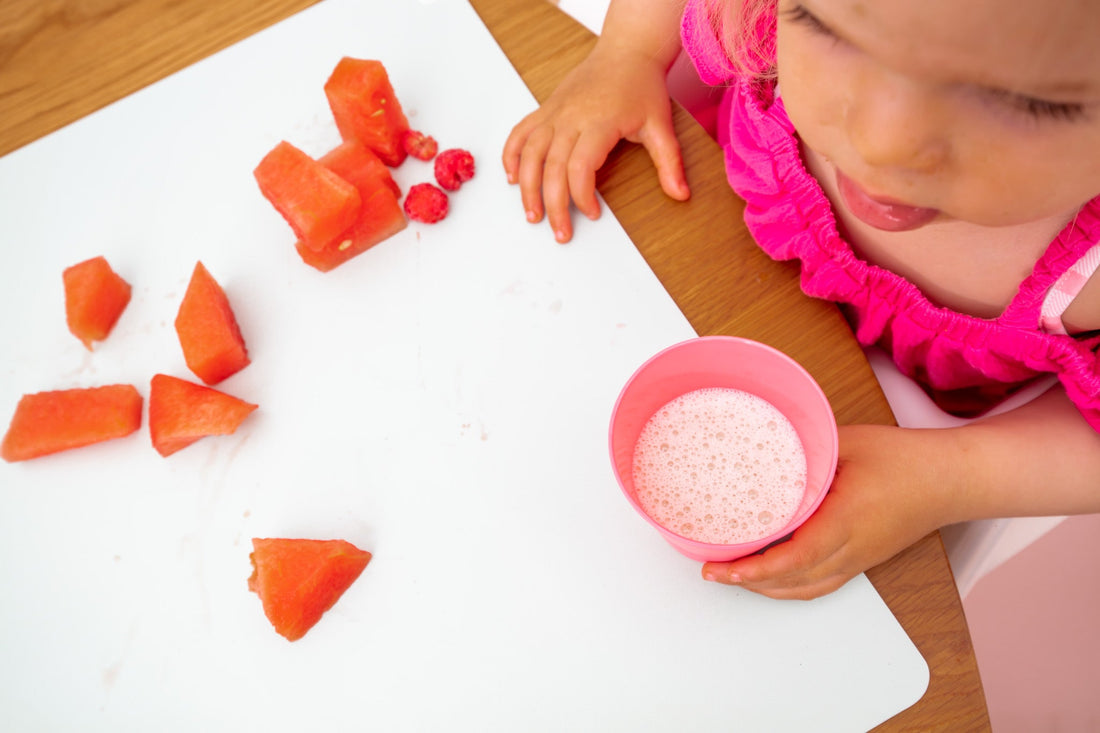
(737, 549)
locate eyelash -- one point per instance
(1043, 109)
(1039, 109)
(799, 15)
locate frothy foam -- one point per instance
(720, 465)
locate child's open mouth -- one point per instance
(881, 213)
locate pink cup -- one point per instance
(726, 361)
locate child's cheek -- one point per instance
(814, 102)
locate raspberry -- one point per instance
(419, 145)
(424, 202)
(452, 167)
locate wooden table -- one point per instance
(62, 60)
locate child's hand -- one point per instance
(880, 503)
(553, 153)
(893, 486)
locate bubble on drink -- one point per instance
(720, 465)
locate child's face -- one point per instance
(984, 110)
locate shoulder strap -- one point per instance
(1066, 288)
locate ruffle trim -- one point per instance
(704, 48)
(791, 218)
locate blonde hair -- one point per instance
(746, 31)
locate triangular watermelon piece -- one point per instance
(181, 412)
(209, 335)
(299, 579)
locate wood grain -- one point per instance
(63, 59)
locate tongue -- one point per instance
(890, 217)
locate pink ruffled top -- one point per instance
(966, 363)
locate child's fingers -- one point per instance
(555, 185)
(509, 158)
(773, 567)
(791, 569)
(588, 156)
(779, 587)
(663, 147)
(513, 147)
(801, 592)
(532, 159)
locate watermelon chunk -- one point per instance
(49, 422)
(182, 412)
(317, 203)
(95, 297)
(299, 579)
(380, 214)
(208, 332)
(366, 109)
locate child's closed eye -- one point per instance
(1041, 109)
(798, 14)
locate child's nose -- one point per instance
(895, 122)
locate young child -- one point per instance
(935, 166)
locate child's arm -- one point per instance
(617, 92)
(894, 486)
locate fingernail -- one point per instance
(561, 236)
(733, 578)
(532, 217)
(708, 575)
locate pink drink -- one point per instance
(719, 465)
